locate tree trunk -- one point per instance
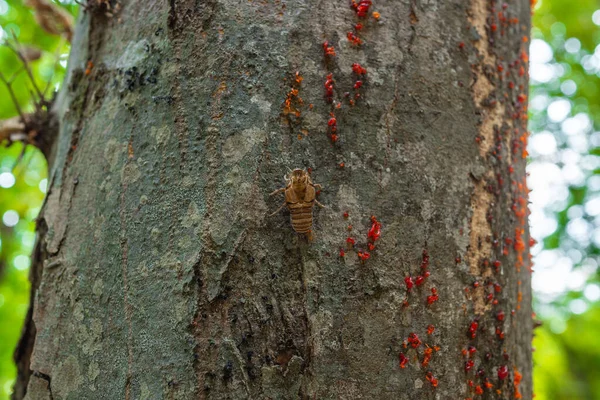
(159, 273)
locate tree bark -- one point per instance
(158, 273)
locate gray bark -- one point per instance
(158, 273)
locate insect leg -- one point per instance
(319, 204)
(280, 208)
(277, 191)
(317, 186)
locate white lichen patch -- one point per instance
(161, 135)
(66, 378)
(321, 325)
(238, 145)
(130, 173)
(142, 269)
(145, 391)
(262, 103)
(134, 54)
(155, 234)
(418, 383)
(255, 210)
(93, 371)
(90, 338)
(347, 199)
(78, 312)
(192, 216)
(98, 287)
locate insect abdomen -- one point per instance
(301, 216)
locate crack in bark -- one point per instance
(124, 243)
(48, 379)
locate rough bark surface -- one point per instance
(158, 272)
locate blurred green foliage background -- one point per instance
(564, 174)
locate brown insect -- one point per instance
(300, 194)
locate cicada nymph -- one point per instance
(300, 198)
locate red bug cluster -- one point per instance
(354, 39)
(431, 379)
(433, 297)
(293, 101)
(375, 231)
(469, 365)
(328, 49)
(361, 7)
(403, 360)
(329, 88)
(473, 329)
(332, 127)
(420, 279)
(516, 383)
(413, 340)
(427, 356)
(363, 255)
(502, 372)
(358, 69)
(372, 236)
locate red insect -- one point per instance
(409, 282)
(342, 253)
(351, 241)
(329, 50)
(434, 296)
(500, 334)
(403, 360)
(431, 379)
(358, 84)
(469, 365)
(364, 256)
(358, 69)
(430, 329)
(427, 356)
(473, 329)
(332, 123)
(329, 88)
(355, 40)
(361, 7)
(502, 372)
(375, 231)
(414, 340)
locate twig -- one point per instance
(20, 158)
(25, 64)
(12, 95)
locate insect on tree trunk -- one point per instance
(159, 273)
